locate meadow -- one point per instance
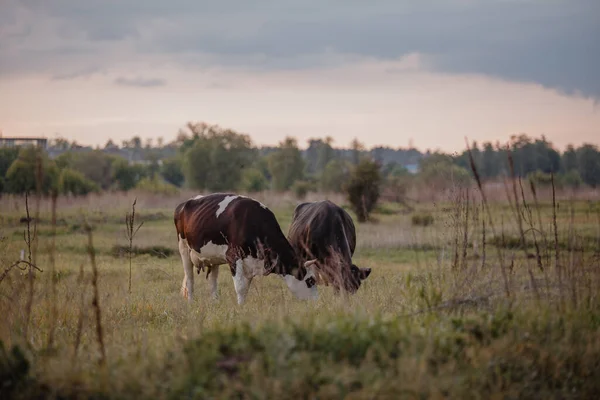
(465, 301)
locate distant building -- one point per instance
(23, 141)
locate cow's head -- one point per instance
(357, 275)
(306, 287)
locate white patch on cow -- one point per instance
(224, 203)
(210, 253)
(197, 197)
(299, 288)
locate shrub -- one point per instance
(75, 183)
(571, 178)
(422, 219)
(301, 189)
(156, 186)
(363, 188)
(253, 180)
(539, 178)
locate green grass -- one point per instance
(427, 323)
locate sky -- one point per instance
(385, 72)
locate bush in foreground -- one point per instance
(515, 354)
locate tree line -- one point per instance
(209, 158)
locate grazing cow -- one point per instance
(325, 232)
(224, 228)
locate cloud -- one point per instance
(76, 74)
(546, 42)
(140, 82)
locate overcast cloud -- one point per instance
(549, 42)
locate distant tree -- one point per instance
(326, 154)
(216, 158)
(438, 172)
(95, 165)
(334, 176)
(286, 165)
(569, 159)
(588, 158)
(491, 166)
(60, 143)
(31, 166)
(317, 155)
(110, 144)
(127, 176)
(356, 148)
(75, 183)
(571, 179)
(136, 141)
(254, 181)
(172, 171)
(363, 188)
(8, 155)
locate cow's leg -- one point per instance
(214, 275)
(187, 286)
(240, 281)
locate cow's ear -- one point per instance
(364, 273)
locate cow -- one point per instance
(226, 228)
(324, 231)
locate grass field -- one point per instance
(455, 309)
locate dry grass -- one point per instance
(416, 327)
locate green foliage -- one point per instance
(348, 356)
(172, 171)
(216, 159)
(318, 154)
(588, 158)
(439, 172)
(393, 170)
(14, 371)
(286, 165)
(334, 176)
(95, 165)
(156, 185)
(540, 178)
(22, 176)
(254, 181)
(75, 183)
(422, 219)
(301, 189)
(127, 176)
(8, 155)
(571, 179)
(363, 188)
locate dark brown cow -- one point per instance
(325, 232)
(225, 228)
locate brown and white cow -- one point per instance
(225, 228)
(324, 231)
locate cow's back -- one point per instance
(319, 227)
(226, 218)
